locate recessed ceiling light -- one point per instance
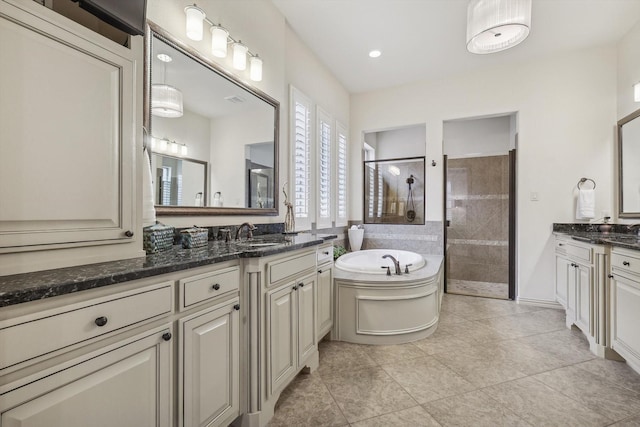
(164, 57)
(375, 53)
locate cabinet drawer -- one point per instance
(209, 285)
(288, 267)
(324, 254)
(573, 251)
(625, 263)
(30, 337)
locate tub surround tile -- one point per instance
(366, 393)
(21, 288)
(415, 417)
(541, 405)
(476, 409)
(481, 289)
(593, 391)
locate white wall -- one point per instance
(477, 137)
(191, 129)
(404, 142)
(628, 71)
(566, 109)
(286, 61)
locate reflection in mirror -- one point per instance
(629, 172)
(179, 182)
(394, 191)
(199, 113)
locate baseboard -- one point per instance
(540, 303)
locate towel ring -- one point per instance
(583, 180)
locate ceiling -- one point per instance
(426, 39)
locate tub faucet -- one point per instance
(250, 228)
(396, 263)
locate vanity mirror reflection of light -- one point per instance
(628, 170)
(215, 135)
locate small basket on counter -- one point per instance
(157, 238)
(194, 237)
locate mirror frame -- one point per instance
(622, 122)
(154, 30)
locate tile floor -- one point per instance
(490, 363)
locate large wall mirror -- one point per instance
(214, 139)
(628, 170)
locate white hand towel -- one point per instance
(148, 205)
(586, 206)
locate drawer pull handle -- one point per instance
(301, 285)
(101, 321)
(216, 287)
(610, 276)
(128, 233)
(627, 263)
(166, 336)
(236, 307)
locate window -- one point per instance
(325, 147)
(301, 159)
(341, 175)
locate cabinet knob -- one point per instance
(326, 252)
(610, 276)
(319, 271)
(236, 307)
(627, 263)
(301, 285)
(216, 287)
(166, 336)
(295, 288)
(101, 321)
(560, 244)
(128, 233)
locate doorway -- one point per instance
(480, 206)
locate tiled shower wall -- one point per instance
(478, 235)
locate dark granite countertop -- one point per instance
(21, 288)
(619, 235)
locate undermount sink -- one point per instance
(258, 244)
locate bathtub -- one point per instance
(373, 308)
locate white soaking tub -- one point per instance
(373, 308)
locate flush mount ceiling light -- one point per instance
(164, 57)
(220, 38)
(495, 25)
(375, 53)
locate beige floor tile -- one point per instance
(414, 417)
(629, 422)
(366, 393)
(568, 345)
(593, 391)
(382, 354)
(618, 372)
(526, 358)
(427, 379)
(441, 342)
(307, 402)
(473, 409)
(336, 356)
(540, 405)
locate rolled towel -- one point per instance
(586, 205)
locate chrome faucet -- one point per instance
(396, 263)
(250, 228)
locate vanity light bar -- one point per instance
(220, 39)
(165, 145)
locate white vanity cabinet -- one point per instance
(625, 305)
(283, 318)
(69, 131)
(581, 270)
(325, 290)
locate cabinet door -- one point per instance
(625, 300)
(281, 339)
(563, 267)
(209, 367)
(128, 386)
(68, 131)
(584, 286)
(325, 300)
(306, 296)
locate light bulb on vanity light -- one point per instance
(240, 55)
(636, 92)
(195, 20)
(162, 145)
(219, 38)
(174, 148)
(256, 68)
(183, 150)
